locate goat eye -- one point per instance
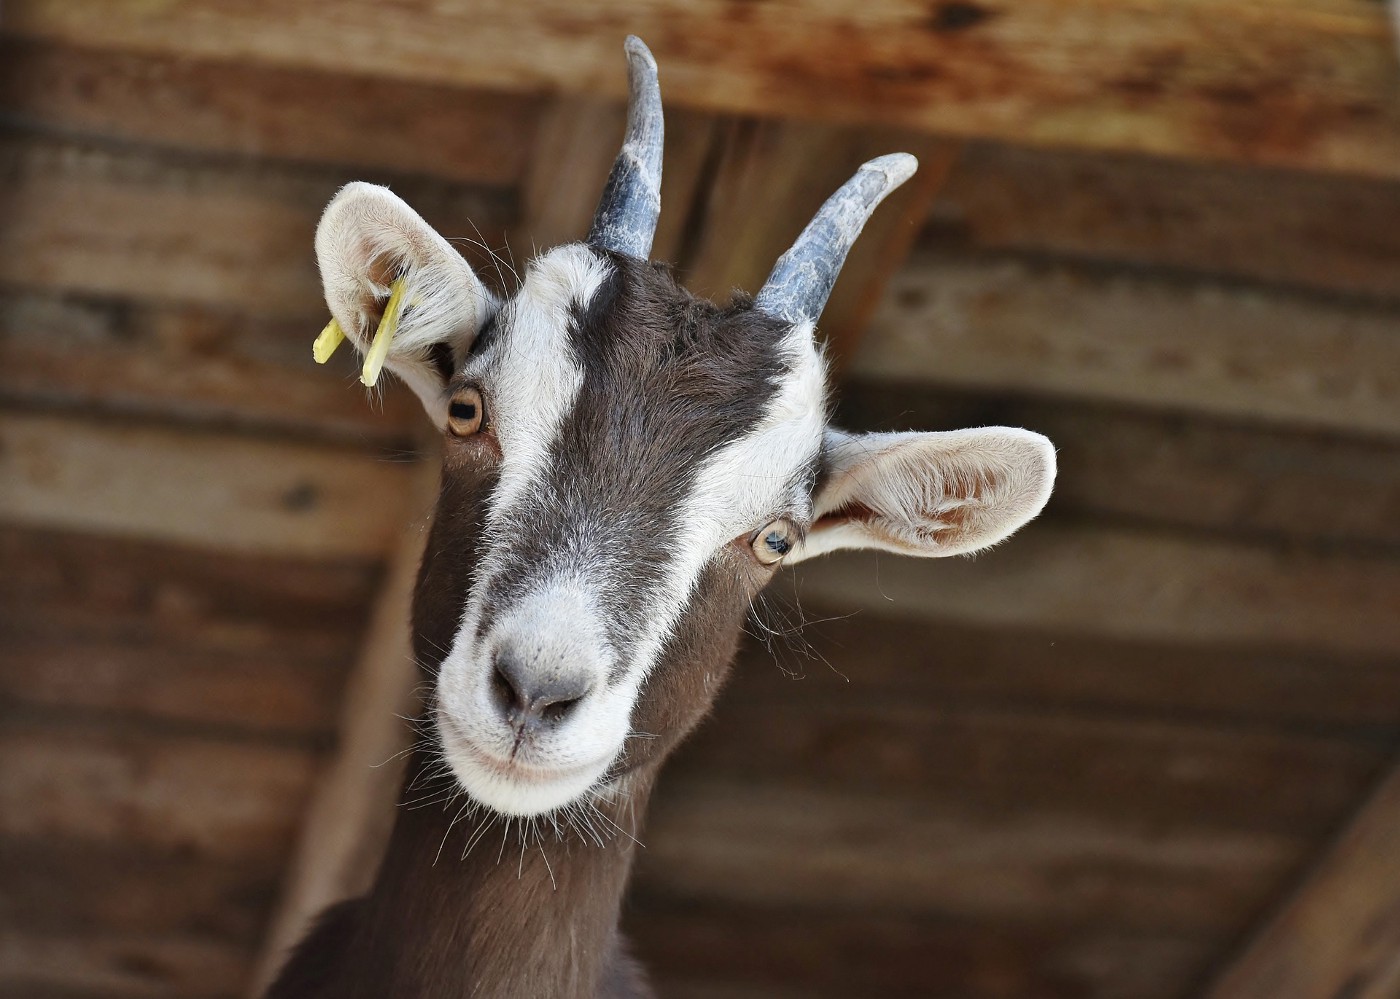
(773, 542)
(465, 413)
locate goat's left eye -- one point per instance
(773, 542)
(465, 413)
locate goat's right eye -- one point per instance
(465, 413)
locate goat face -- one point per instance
(626, 466)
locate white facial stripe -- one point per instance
(535, 379)
(739, 487)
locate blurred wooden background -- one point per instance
(1141, 752)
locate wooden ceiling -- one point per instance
(1141, 751)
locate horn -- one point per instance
(631, 202)
(801, 281)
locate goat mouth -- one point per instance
(512, 767)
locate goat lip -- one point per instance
(516, 769)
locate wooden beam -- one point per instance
(108, 221)
(1134, 584)
(286, 113)
(1197, 346)
(1143, 768)
(739, 841)
(1275, 226)
(732, 949)
(1339, 933)
(203, 489)
(190, 364)
(74, 965)
(1230, 478)
(221, 798)
(348, 821)
(1310, 85)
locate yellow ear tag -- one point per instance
(331, 337)
(384, 336)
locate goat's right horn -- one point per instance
(802, 278)
(631, 202)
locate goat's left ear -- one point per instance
(928, 494)
(370, 244)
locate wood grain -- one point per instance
(270, 111)
(198, 488)
(1136, 584)
(1190, 473)
(1338, 934)
(108, 220)
(224, 799)
(1282, 227)
(1143, 340)
(1310, 84)
(190, 364)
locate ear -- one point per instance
(369, 238)
(928, 494)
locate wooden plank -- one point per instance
(769, 180)
(731, 949)
(1275, 226)
(1053, 667)
(198, 488)
(1136, 584)
(110, 588)
(189, 364)
(1338, 934)
(1141, 340)
(347, 824)
(86, 887)
(228, 800)
(119, 965)
(720, 841)
(107, 221)
(284, 113)
(1124, 465)
(279, 692)
(1312, 84)
(1160, 773)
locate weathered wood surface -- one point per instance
(100, 586)
(109, 220)
(228, 799)
(936, 660)
(1136, 584)
(731, 950)
(1278, 226)
(1186, 473)
(129, 965)
(1339, 933)
(1194, 346)
(1310, 84)
(191, 364)
(199, 488)
(312, 116)
(767, 844)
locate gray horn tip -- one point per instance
(638, 53)
(897, 168)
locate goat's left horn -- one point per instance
(631, 202)
(802, 278)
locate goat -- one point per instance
(626, 466)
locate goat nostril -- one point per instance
(504, 691)
(557, 711)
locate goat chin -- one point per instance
(517, 790)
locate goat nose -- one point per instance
(526, 699)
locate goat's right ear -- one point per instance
(370, 243)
